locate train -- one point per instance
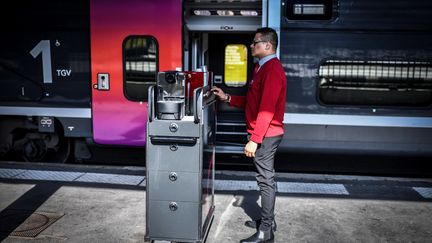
(75, 73)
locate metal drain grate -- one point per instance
(26, 223)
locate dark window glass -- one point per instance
(140, 64)
(377, 83)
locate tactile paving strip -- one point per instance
(311, 188)
(283, 187)
(425, 192)
(234, 185)
(72, 176)
(10, 173)
(143, 183)
(219, 185)
(111, 178)
(48, 175)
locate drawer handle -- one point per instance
(173, 176)
(173, 206)
(173, 127)
(168, 140)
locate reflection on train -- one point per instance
(74, 74)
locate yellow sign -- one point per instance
(235, 65)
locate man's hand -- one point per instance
(250, 149)
(219, 93)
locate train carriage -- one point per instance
(75, 74)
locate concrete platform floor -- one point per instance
(368, 209)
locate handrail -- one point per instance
(195, 103)
(150, 103)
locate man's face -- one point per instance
(259, 47)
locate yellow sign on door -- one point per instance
(235, 65)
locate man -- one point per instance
(264, 109)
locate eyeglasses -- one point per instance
(254, 42)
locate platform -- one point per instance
(77, 203)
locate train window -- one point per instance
(377, 83)
(235, 65)
(140, 65)
(309, 9)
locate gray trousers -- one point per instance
(264, 164)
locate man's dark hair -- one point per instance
(270, 35)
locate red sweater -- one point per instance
(265, 101)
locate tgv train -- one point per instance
(74, 74)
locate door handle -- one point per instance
(103, 82)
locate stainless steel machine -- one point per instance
(180, 157)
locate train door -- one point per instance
(218, 36)
(231, 62)
(130, 42)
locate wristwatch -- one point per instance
(228, 98)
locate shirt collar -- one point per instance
(265, 59)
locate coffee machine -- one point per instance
(170, 95)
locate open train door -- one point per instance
(131, 41)
(219, 37)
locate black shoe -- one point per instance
(256, 223)
(260, 237)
